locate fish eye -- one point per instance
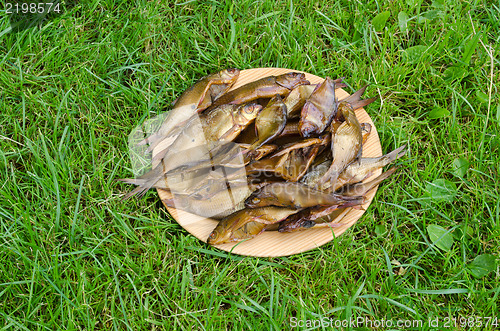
(249, 110)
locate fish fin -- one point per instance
(340, 85)
(394, 155)
(139, 191)
(240, 221)
(356, 96)
(334, 224)
(204, 102)
(358, 156)
(262, 219)
(144, 182)
(363, 188)
(362, 103)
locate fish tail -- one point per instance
(371, 184)
(355, 99)
(392, 156)
(144, 183)
(338, 83)
(362, 103)
(362, 189)
(356, 96)
(139, 191)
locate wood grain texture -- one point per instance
(274, 243)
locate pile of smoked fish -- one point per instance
(278, 153)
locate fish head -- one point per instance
(307, 127)
(229, 75)
(246, 113)
(219, 235)
(291, 80)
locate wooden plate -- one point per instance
(274, 243)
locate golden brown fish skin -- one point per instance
(299, 95)
(291, 128)
(208, 187)
(297, 98)
(217, 206)
(315, 172)
(195, 99)
(292, 195)
(270, 122)
(319, 109)
(231, 228)
(222, 124)
(265, 87)
(355, 99)
(206, 90)
(347, 144)
(297, 163)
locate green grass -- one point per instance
(73, 256)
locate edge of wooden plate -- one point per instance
(274, 243)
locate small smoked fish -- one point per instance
(307, 218)
(292, 195)
(319, 109)
(210, 128)
(195, 99)
(246, 224)
(358, 171)
(270, 122)
(322, 216)
(266, 87)
(347, 144)
(299, 95)
(218, 205)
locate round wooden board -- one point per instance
(274, 243)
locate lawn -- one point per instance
(74, 256)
